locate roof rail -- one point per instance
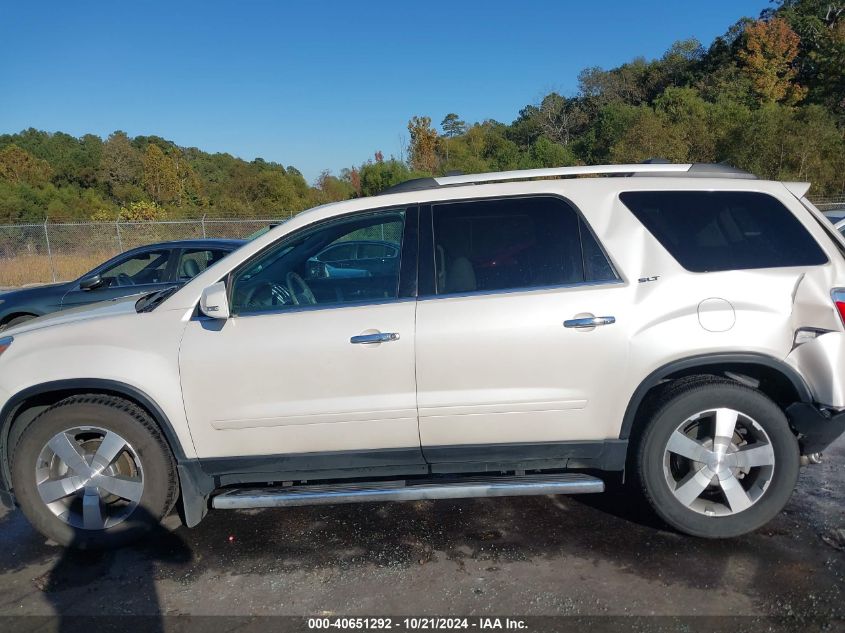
(558, 172)
(414, 184)
(651, 168)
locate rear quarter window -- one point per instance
(709, 231)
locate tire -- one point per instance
(130, 495)
(16, 321)
(696, 410)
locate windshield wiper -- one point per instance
(149, 302)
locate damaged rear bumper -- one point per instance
(817, 427)
(821, 363)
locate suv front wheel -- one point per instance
(717, 459)
(93, 471)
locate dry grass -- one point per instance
(36, 269)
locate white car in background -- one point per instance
(522, 333)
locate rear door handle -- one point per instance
(589, 322)
(378, 337)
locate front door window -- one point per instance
(296, 272)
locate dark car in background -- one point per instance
(356, 258)
(140, 270)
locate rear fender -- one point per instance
(821, 362)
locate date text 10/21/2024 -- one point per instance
(416, 623)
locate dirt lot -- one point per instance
(588, 555)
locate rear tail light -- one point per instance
(838, 296)
(5, 342)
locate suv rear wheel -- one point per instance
(717, 459)
(93, 471)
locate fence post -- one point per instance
(203, 226)
(49, 251)
(119, 239)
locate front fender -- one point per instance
(105, 354)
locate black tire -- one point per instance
(687, 399)
(16, 321)
(109, 413)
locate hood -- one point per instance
(114, 307)
(16, 294)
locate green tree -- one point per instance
(378, 176)
(820, 24)
(546, 153)
(650, 136)
(452, 125)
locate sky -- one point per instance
(322, 84)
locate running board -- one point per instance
(279, 497)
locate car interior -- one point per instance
(195, 261)
(145, 268)
(499, 244)
(290, 274)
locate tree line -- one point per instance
(767, 96)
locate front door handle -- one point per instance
(586, 322)
(378, 337)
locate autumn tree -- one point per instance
(189, 185)
(18, 166)
(120, 165)
(161, 178)
(142, 211)
(769, 55)
(424, 142)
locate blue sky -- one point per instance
(315, 84)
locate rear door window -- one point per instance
(501, 244)
(195, 260)
(709, 231)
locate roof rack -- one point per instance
(654, 168)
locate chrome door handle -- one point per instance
(589, 322)
(378, 337)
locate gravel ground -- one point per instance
(583, 556)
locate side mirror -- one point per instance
(89, 283)
(214, 302)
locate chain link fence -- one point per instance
(829, 203)
(45, 253)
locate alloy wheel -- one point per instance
(718, 462)
(89, 477)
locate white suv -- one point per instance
(487, 335)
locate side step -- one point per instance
(278, 497)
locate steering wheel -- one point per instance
(124, 280)
(292, 279)
(268, 295)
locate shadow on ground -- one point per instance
(786, 568)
